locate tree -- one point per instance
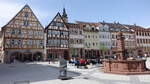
(103, 48)
(73, 52)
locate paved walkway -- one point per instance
(44, 73)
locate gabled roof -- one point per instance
(58, 14)
(26, 6)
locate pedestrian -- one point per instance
(77, 63)
(49, 60)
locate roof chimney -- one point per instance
(134, 24)
(114, 22)
(103, 21)
(118, 22)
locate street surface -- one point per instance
(44, 73)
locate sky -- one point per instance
(123, 11)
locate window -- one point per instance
(35, 33)
(141, 41)
(12, 41)
(50, 42)
(15, 42)
(103, 29)
(80, 32)
(86, 44)
(64, 42)
(26, 23)
(13, 31)
(85, 36)
(41, 42)
(93, 44)
(113, 36)
(49, 32)
(19, 42)
(116, 36)
(93, 28)
(66, 33)
(30, 32)
(30, 42)
(77, 41)
(89, 44)
(58, 42)
(59, 24)
(26, 14)
(84, 25)
(113, 43)
(19, 31)
(40, 33)
(93, 36)
(138, 41)
(142, 33)
(103, 36)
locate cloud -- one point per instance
(8, 11)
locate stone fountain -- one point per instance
(122, 65)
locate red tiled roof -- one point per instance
(113, 25)
(137, 28)
(73, 25)
(81, 23)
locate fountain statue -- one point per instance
(122, 65)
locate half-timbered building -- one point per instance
(23, 37)
(57, 38)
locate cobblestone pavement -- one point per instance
(127, 79)
(44, 73)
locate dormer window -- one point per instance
(88, 26)
(84, 25)
(92, 28)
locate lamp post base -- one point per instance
(64, 77)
